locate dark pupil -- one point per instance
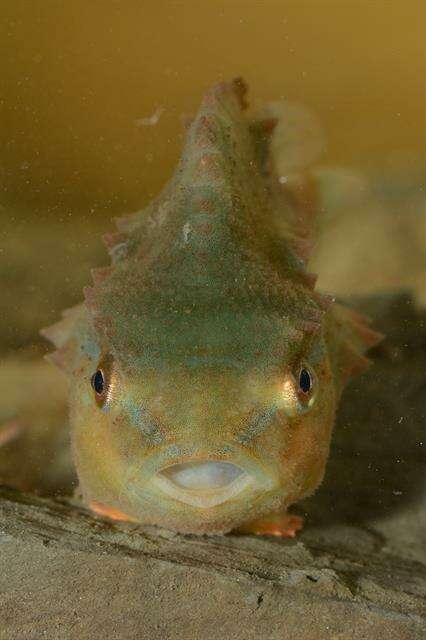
(305, 380)
(98, 382)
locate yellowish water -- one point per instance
(78, 76)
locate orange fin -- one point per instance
(349, 337)
(110, 512)
(281, 525)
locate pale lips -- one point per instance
(203, 483)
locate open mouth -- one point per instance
(205, 483)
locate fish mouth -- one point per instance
(203, 483)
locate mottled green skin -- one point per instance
(206, 311)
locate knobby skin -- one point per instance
(205, 369)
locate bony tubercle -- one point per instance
(205, 368)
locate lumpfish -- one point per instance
(205, 368)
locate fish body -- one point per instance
(205, 369)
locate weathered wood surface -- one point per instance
(65, 575)
(357, 571)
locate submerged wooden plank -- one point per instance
(66, 575)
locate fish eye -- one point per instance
(305, 380)
(98, 382)
(299, 390)
(101, 381)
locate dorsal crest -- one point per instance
(210, 243)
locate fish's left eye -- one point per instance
(305, 380)
(102, 381)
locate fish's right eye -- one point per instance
(299, 390)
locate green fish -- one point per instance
(205, 368)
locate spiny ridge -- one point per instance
(100, 275)
(61, 331)
(62, 334)
(354, 337)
